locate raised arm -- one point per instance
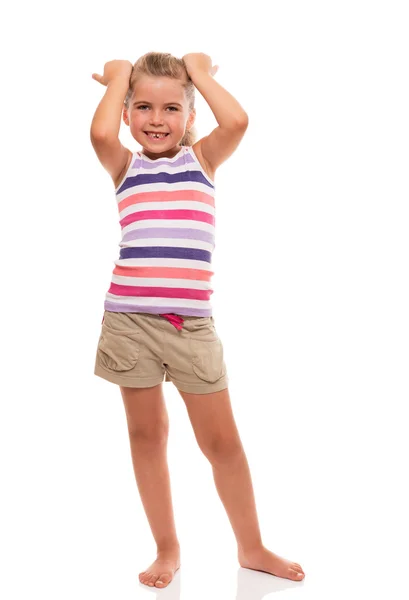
(106, 123)
(231, 117)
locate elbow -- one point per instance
(97, 134)
(243, 121)
(236, 123)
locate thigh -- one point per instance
(129, 350)
(195, 357)
(145, 410)
(212, 419)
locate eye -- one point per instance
(146, 106)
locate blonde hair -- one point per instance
(163, 64)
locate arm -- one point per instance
(231, 117)
(225, 108)
(107, 117)
(105, 125)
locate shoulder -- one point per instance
(197, 149)
(117, 180)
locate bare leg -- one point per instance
(148, 428)
(217, 435)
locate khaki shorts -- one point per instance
(141, 349)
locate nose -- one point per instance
(156, 118)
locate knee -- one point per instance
(222, 450)
(154, 434)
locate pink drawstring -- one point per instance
(176, 320)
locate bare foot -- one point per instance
(264, 560)
(162, 570)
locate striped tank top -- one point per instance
(167, 217)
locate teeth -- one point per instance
(157, 135)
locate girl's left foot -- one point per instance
(264, 560)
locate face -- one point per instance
(159, 105)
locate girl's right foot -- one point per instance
(163, 569)
(262, 559)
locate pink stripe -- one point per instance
(159, 292)
(193, 215)
(182, 195)
(164, 272)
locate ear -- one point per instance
(125, 115)
(191, 119)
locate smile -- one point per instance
(156, 136)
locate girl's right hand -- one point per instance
(114, 69)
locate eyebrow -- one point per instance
(145, 102)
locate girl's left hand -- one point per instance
(197, 61)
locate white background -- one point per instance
(311, 302)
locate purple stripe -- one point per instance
(166, 252)
(157, 310)
(140, 162)
(173, 232)
(144, 178)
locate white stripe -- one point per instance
(153, 301)
(193, 284)
(164, 262)
(164, 186)
(172, 167)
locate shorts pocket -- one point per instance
(207, 359)
(118, 350)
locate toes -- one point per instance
(163, 580)
(152, 580)
(296, 575)
(144, 577)
(297, 567)
(147, 578)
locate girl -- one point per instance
(158, 319)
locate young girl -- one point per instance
(158, 318)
